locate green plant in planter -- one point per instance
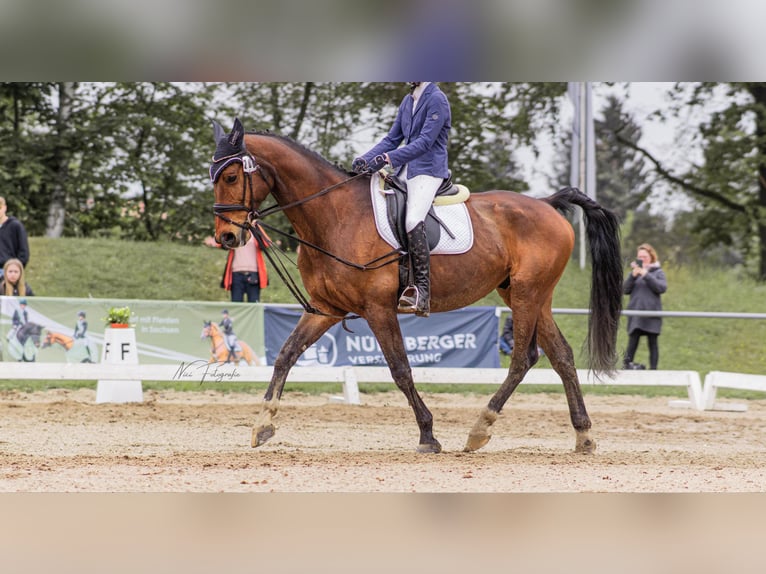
(118, 315)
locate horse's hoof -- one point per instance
(479, 434)
(475, 442)
(430, 448)
(585, 444)
(261, 435)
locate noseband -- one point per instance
(249, 167)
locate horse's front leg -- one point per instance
(385, 326)
(308, 330)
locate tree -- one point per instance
(130, 159)
(60, 161)
(729, 186)
(25, 149)
(155, 131)
(621, 174)
(489, 120)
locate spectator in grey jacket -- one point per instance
(645, 284)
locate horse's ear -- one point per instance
(218, 132)
(237, 135)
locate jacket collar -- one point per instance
(429, 88)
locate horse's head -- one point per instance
(206, 330)
(48, 341)
(238, 184)
(29, 330)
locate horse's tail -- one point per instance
(603, 231)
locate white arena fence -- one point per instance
(349, 377)
(699, 397)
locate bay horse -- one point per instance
(521, 248)
(219, 352)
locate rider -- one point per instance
(20, 315)
(423, 123)
(19, 319)
(227, 326)
(81, 327)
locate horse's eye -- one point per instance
(231, 178)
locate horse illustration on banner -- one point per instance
(221, 353)
(77, 350)
(24, 342)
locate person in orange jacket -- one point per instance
(245, 271)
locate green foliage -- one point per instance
(115, 269)
(728, 186)
(129, 160)
(489, 120)
(620, 171)
(118, 316)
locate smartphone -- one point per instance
(639, 263)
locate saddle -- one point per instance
(395, 193)
(395, 190)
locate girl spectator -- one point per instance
(13, 282)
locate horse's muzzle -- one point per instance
(229, 240)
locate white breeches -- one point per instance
(421, 191)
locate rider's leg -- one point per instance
(421, 190)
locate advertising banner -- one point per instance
(51, 329)
(461, 338)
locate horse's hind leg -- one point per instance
(562, 360)
(523, 357)
(308, 330)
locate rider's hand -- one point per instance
(359, 165)
(377, 163)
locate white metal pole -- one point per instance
(581, 183)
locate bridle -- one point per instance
(255, 217)
(255, 225)
(249, 167)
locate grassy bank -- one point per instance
(104, 268)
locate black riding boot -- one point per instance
(417, 297)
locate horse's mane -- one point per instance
(302, 149)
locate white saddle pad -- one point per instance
(455, 217)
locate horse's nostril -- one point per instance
(229, 240)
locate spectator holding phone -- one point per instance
(645, 283)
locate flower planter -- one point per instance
(119, 325)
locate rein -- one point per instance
(369, 266)
(254, 225)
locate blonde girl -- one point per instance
(13, 282)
